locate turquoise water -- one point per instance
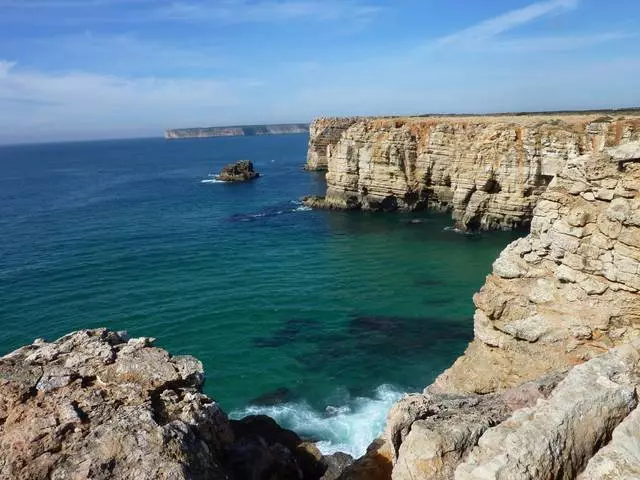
(332, 315)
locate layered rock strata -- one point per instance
(96, 405)
(563, 299)
(489, 171)
(324, 134)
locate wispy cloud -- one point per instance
(128, 53)
(490, 36)
(492, 27)
(555, 43)
(100, 105)
(357, 12)
(5, 68)
(240, 11)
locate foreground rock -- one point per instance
(241, 171)
(490, 171)
(556, 437)
(552, 428)
(95, 405)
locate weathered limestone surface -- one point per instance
(620, 459)
(555, 438)
(432, 433)
(490, 171)
(546, 429)
(95, 405)
(567, 291)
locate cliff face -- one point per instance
(490, 171)
(548, 387)
(237, 131)
(567, 291)
(324, 134)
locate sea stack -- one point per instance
(241, 171)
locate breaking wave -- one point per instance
(349, 427)
(212, 179)
(271, 211)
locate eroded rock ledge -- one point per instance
(489, 171)
(548, 388)
(96, 405)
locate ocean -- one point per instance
(319, 319)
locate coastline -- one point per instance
(588, 214)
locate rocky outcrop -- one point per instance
(552, 428)
(431, 434)
(241, 171)
(556, 437)
(567, 291)
(556, 300)
(237, 131)
(96, 405)
(620, 458)
(490, 171)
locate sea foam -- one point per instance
(211, 180)
(348, 428)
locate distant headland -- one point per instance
(236, 131)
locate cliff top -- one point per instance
(523, 118)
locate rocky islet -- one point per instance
(240, 171)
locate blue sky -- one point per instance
(78, 69)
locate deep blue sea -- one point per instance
(328, 316)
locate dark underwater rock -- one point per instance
(275, 397)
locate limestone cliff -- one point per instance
(236, 131)
(490, 171)
(324, 134)
(548, 387)
(567, 291)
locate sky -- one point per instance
(83, 69)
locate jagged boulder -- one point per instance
(94, 405)
(552, 428)
(556, 437)
(241, 171)
(97, 405)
